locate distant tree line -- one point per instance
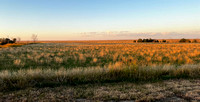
(149, 40)
(183, 40)
(4, 41)
(7, 40)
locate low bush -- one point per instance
(183, 40)
(147, 40)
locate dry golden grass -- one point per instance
(72, 55)
(141, 54)
(12, 45)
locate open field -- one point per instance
(34, 66)
(72, 55)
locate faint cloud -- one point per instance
(133, 35)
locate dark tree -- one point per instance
(4, 41)
(14, 40)
(164, 41)
(139, 40)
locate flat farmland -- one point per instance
(73, 55)
(75, 65)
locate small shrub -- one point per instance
(164, 41)
(183, 40)
(195, 41)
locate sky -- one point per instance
(100, 19)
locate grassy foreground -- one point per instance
(49, 78)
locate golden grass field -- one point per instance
(110, 54)
(67, 64)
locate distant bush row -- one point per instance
(183, 40)
(4, 41)
(149, 40)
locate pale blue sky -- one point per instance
(76, 19)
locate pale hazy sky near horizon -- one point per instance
(99, 19)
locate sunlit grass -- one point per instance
(72, 55)
(52, 64)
